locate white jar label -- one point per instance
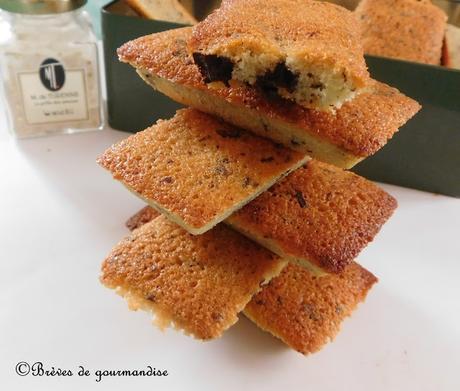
(53, 94)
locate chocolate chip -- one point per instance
(214, 68)
(265, 126)
(229, 133)
(280, 77)
(310, 310)
(151, 297)
(217, 317)
(300, 199)
(167, 179)
(222, 170)
(249, 182)
(318, 86)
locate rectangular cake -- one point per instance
(196, 283)
(357, 130)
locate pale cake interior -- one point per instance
(316, 86)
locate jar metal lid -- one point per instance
(41, 7)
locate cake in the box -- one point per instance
(411, 30)
(167, 10)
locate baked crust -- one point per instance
(310, 37)
(359, 129)
(319, 216)
(410, 30)
(197, 169)
(197, 283)
(306, 311)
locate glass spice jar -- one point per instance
(49, 67)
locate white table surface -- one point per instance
(59, 216)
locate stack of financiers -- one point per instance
(250, 206)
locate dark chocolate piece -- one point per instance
(280, 77)
(214, 68)
(300, 199)
(229, 133)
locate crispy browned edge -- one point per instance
(360, 127)
(305, 311)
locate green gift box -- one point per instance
(424, 154)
